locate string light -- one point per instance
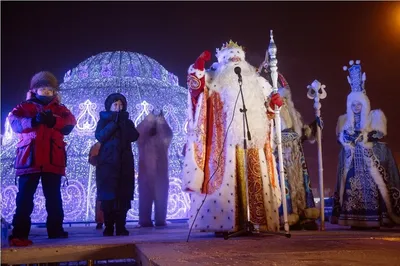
(146, 85)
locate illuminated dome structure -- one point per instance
(146, 85)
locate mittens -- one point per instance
(40, 118)
(201, 60)
(276, 99)
(50, 119)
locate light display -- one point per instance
(146, 85)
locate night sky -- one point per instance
(314, 39)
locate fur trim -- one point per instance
(365, 142)
(210, 74)
(309, 135)
(266, 86)
(294, 174)
(286, 119)
(366, 108)
(273, 200)
(198, 73)
(292, 118)
(113, 97)
(192, 174)
(292, 219)
(312, 213)
(194, 115)
(214, 66)
(378, 121)
(284, 93)
(213, 211)
(226, 84)
(382, 189)
(340, 124)
(30, 95)
(225, 54)
(189, 110)
(272, 144)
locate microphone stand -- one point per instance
(248, 226)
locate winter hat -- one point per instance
(112, 98)
(44, 78)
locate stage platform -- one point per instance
(167, 247)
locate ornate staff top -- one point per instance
(316, 91)
(272, 51)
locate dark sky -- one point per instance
(315, 40)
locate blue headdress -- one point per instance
(356, 79)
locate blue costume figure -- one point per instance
(302, 213)
(368, 184)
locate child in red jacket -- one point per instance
(41, 122)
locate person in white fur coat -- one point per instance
(368, 184)
(213, 170)
(153, 180)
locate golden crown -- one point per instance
(228, 45)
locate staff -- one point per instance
(317, 92)
(272, 50)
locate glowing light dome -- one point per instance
(146, 85)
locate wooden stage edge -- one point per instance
(143, 244)
(68, 253)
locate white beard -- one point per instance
(225, 81)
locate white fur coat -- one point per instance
(153, 150)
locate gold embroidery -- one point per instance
(270, 163)
(193, 82)
(201, 127)
(214, 167)
(255, 187)
(241, 198)
(217, 157)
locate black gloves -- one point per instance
(50, 119)
(116, 120)
(40, 118)
(374, 136)
(121, 118)
(45, 118)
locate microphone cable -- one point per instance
(218, 165)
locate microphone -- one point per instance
(238, 70)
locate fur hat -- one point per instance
(44, 78)
(112, 98)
